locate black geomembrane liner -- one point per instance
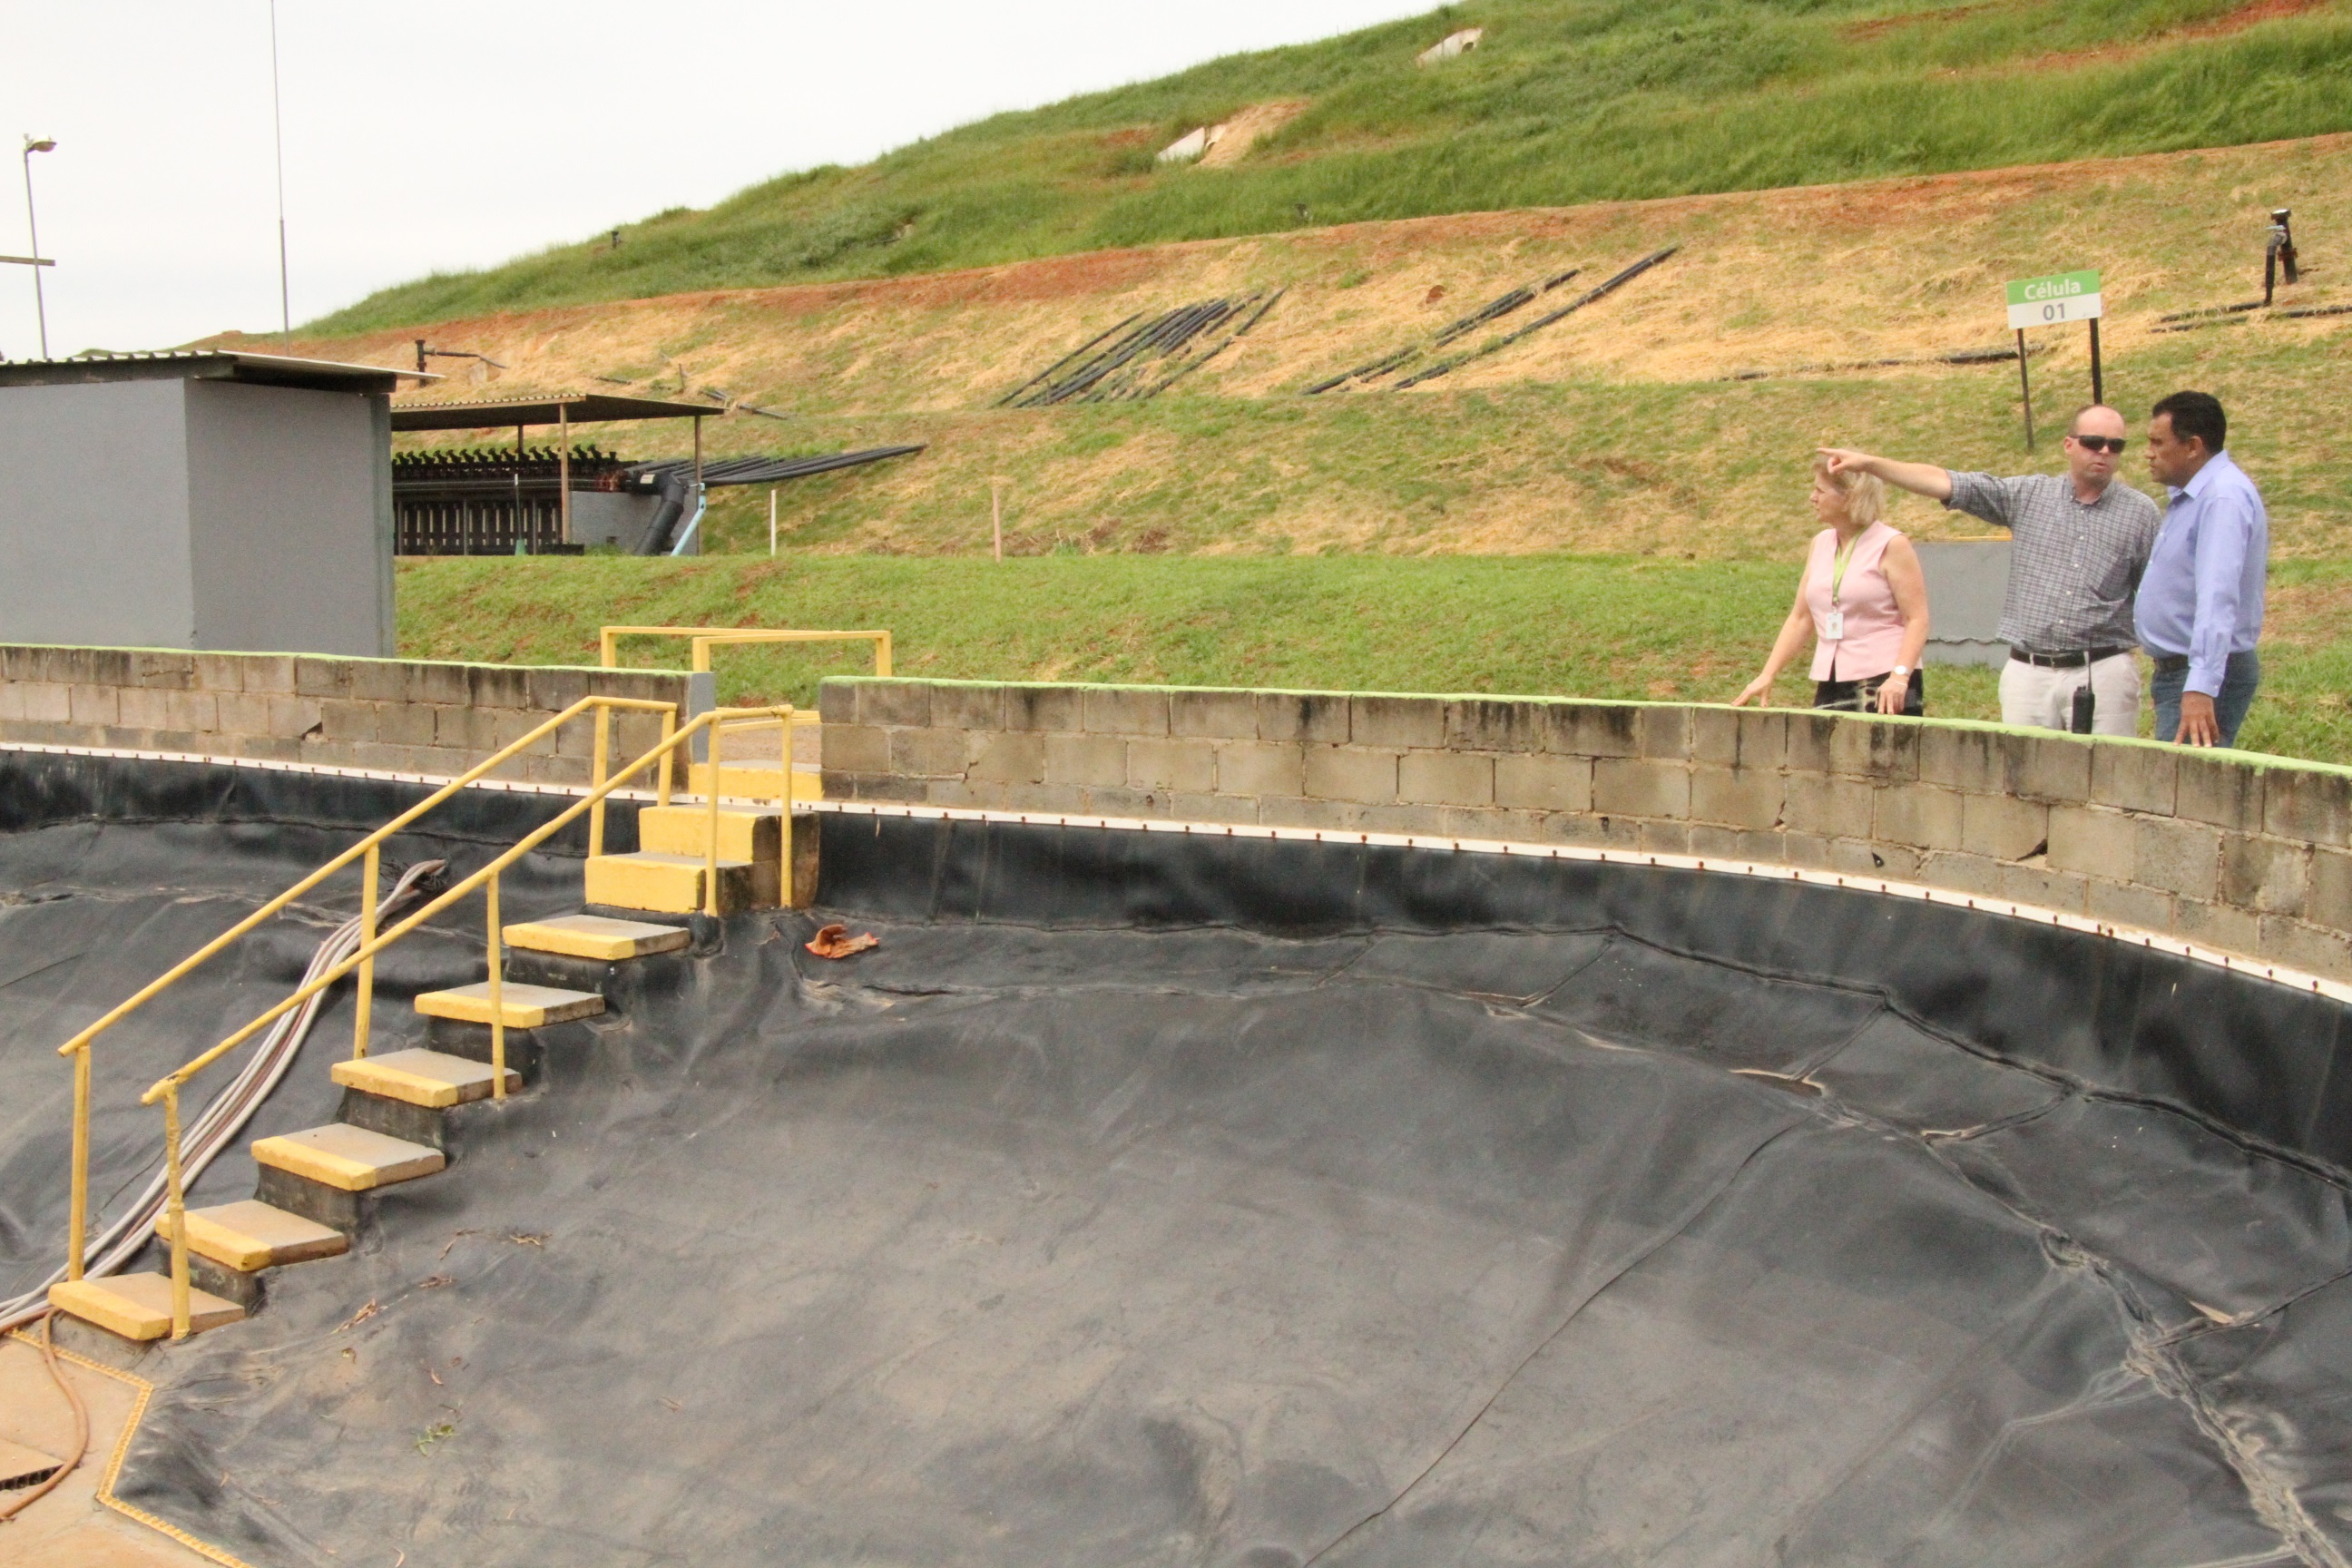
(1171, 1198)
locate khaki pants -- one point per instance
(2042, 698)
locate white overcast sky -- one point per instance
(428, 133)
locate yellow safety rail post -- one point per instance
(166, 1088)
(710, 842)
(365, 1001)
(498, 965)
(78, 1047)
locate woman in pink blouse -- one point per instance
(1862, 599)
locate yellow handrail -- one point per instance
(79, 1047)
(167, 1087)
(705, 638)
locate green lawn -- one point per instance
(1584, 625)
(1566, 101)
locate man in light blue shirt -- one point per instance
(2200, 609)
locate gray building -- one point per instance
(205, 499)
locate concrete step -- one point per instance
(520, 1005)
(429, 1078)
(745, 832)
(253, 1234)
(138, 1306)
(349, 1159)
(672, 884)
(756, 778)
(596, 937)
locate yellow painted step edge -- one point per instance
(231, 1249)
(345, 1175)
(414, 1089)
(93, 1300)
(535, 936)
(467, 1007)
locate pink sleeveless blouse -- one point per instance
(1873, 626)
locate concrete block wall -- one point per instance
(397, 715)
(2250, 855)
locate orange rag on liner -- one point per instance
(835, 941)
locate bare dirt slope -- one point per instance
(1629, 427)
(1772, 282)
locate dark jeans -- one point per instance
(1862, 695)
(2244, 674)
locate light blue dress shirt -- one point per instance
(2202, 593)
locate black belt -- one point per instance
(2166, 663)
(2085, 657)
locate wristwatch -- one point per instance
(1902, 670)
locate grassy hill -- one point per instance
(1630, 426)
(1566, 101)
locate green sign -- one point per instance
(2055, 300)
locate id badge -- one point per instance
(1833, 626)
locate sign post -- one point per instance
(2050, 302)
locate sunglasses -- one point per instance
(2115, 444)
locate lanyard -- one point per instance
(1838, 563)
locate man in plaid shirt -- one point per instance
(2081, 542)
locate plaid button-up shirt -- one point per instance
(2073, 569)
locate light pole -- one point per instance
(33, 227)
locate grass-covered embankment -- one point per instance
(1566, 101)
(1593, 626)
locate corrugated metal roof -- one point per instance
(579, 407)
(208, 365)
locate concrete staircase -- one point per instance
(317, 1186)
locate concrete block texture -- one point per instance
(1739, 738)
(1094, 761)
(323, 677)
(1261, 768)
(1447, 778)
(2127, 904)
(2298, 945)
(2218, 926)
(1632, 786)
(2175, 857)
(2328, 901)
(2093, 840)
(1124, 711)
(1396, 722)
(1361, 774)
(1920, 817)
(1284, 811)
(1186, 765)
(1827, 807)
(1052, 709)
(2223, 791)
(141, 707)
(836, 702)
(1543, 783)
(1215, 715)
(1737, 797)
(856, 748)
(2003, 827)
(928, 754)
(1883, 750)
(1497, 724)
(1611, 730)
(957, 705)
(2134, 778)
(1302, 716)
(1664, 734)
(2314, 806)
(1002, 757)
(2271, 876)
(896, 703)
